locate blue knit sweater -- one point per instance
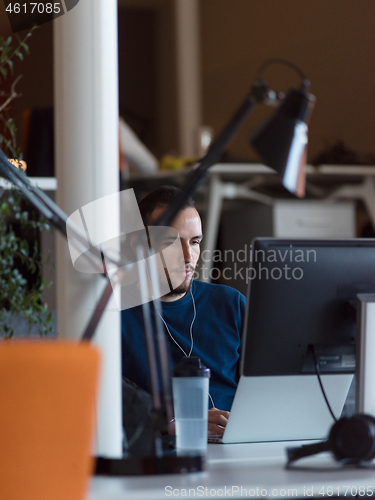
(217, 331)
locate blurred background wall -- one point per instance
(333, 42)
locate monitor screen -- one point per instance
(301, 306)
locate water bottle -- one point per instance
(190, 384)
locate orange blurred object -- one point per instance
(18, 163)
(48, 393)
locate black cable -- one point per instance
(320, 383)
(297, 69)
(295, 454)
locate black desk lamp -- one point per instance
(281, 141)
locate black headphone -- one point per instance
(351, 440)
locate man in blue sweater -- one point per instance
(200, 319)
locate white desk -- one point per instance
(237, 181)
(44, 183)
(250, 466)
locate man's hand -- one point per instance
(217, 420)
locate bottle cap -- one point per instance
(191, 366)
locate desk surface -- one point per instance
(45, 183)
(259, 168)
(254, 470)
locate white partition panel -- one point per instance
(188, 75)
(86, 131)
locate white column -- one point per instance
(87, 151)
(188, 74)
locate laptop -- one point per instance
(284, 408)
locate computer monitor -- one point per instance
(300, 320)
(302, 296)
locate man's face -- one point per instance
(189, 227)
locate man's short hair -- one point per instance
(163, 196)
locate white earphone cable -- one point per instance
(191, 329)
(191, 335)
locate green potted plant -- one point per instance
(21, 283)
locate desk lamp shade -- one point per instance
(282, 140)
(48, 392)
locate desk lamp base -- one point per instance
(168, 463)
